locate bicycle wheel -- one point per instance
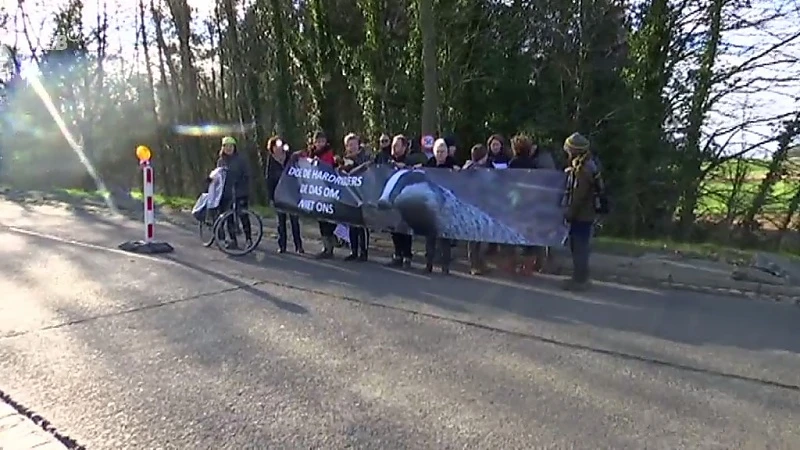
(206, 228)
(232, 245)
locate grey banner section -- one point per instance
(513, 206)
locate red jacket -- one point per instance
(325, 155)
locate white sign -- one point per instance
(342, 232)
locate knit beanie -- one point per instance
(576, 141)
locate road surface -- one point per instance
(197, 350)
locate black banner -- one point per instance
(512, 206)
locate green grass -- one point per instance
(173, 202)
(638, 247)
(605, 244)
(80, 193)
(718, 188)
(177, 203)
(709, 251)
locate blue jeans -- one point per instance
(580, 236)
(295, 223)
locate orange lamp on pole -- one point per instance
(143, 153)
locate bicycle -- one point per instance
(206, 226)
(214, 224)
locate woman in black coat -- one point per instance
(236, 189)
(276, 160)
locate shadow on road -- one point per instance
(689, 318)
(686, 318)
(248, 288)
(231, 356)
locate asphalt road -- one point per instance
(196, 350)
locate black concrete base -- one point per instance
(149, 248)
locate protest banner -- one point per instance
(519, 207)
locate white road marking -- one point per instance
(83, 244)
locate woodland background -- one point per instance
(664, 88)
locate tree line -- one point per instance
(664, 89)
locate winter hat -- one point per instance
(576, 141)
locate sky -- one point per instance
(763, 99)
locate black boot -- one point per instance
(327, 248)
(396, 261)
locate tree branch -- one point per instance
(746, 65)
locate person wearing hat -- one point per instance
(580, 211)
(236, 188)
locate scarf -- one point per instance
(576, 165)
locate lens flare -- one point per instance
(213, 129)
(32, 76)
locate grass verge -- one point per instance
(638, 247)
(172, 202)
(603, 244)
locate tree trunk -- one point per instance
(287, 126)
(692, 165)
(193, 169)
(430, 99)
(170, 161)
(774, 174)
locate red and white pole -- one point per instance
(149, 244)
(149, 212)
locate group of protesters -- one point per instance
(581, 207)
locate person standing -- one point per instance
(498, 158)
(277, 158)
(320, 150)
(498, 153)
(528, 155)
(580, 207)
(434, 245)
(236, 189)
(384, 154)
(452, 148)
(416, 156)
(479, 158)
(355, 158)
(402, 243)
